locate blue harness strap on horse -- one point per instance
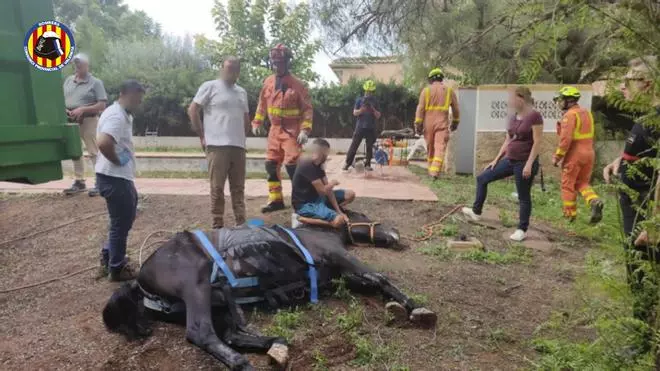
(219, 262)
(313, 275)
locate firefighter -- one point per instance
(286, 102)
(433, 115)
(576, 153)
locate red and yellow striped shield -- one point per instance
(49, 45)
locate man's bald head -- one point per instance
(231, 69)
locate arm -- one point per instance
(358, 109)
(537, 134)
(326, 189)
(95, 108)
(262, 107)
(376, 111)
(195, 119)
(567, 127)
(421, 108)
(454, 108)
(101, 99)
(306, 108)
(106, 145)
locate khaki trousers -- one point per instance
(88, 136)
(226, 162)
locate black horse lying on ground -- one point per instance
(258, 264)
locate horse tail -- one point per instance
(123, 313)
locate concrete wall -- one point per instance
(336, 144)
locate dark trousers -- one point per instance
(369, 135)
(504, 169)
(121, 199)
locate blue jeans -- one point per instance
(504, 169)
(321, 208)
(121, 198)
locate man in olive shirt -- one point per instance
(85, 98)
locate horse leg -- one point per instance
(275, 347)
(362, 278)
(200, 331)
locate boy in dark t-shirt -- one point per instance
(312, 195)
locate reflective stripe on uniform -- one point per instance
(259, 117)
(588, 194)
(577, 133)
(275, 191)
(560, 152)
(306, 124)
(283, 112)
(427, 99)
(418, 120)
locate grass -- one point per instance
(284, 323)
(514, 254)
(595, 330)
(439, 251)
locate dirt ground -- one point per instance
(487, 313)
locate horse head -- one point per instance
(362, 230)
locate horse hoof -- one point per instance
(397, 313)
(279, 353)
(423, 317)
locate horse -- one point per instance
(180, 273)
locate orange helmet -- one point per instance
(280, 53)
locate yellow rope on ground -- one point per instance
(428, 229)
(147, 239)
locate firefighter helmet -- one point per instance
(280, 53)
(436, 72)
(369, 85)
(567, 92)
(49, 46)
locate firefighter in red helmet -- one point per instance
(285, 101)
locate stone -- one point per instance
(279, 353)
(397, 313)
(423, 317)
(468, 244)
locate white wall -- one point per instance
(336, 144)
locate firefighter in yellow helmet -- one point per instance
(433, 116)
(576, 154)
(284, 99)
(366, 110)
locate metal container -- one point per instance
(34, 134)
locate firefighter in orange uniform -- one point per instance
(433, 113)
(286, 102)
(576, 152)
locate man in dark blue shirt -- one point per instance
(367, 112)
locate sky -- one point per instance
(192, 17)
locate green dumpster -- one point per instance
(34, 135)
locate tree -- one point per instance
(241, 29)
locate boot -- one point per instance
(123, 273)
(93, 192)
(77, 187)
(596, 211)
(273, 206)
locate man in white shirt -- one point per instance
(115, 173)
(222, 135)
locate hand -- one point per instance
(345, 217)
(642, 239)
(419, 129)
(491, 165)
(302, 138)
(124, 157)
(76, 114)
(527, 171)
(556, 160)
(611, 169)
(202, 141)
(334, 183)
(258, 131)
(453, 126)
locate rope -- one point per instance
(428, 229)
(53, 228)
(5, 291)
(147, 239)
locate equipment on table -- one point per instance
(395, 143)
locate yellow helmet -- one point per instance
(369, 85)
(567, 92)
(436, 72)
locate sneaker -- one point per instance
(596, 211)
(93, 192)
(77, 187)
(123, 273)
(346, 168)
(519, 235)
(273, 206)
(468, 212)
(368, 168)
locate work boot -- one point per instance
(123, 273)
(368, 167)
(273, 206)
(596, 211)
(77, 187)
(93, 192)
